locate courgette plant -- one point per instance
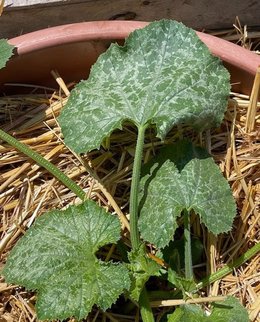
(162, 77)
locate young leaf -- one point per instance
(164, 74)
(57, 258)
(185, 285)
(141, 268)
(229, 310)
(6, 52)
(183, 177)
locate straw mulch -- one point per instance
(28, 191)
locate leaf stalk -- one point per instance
(145, 307)
(187, 246)
(135, 238)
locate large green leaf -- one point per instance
(164, 74)
(6, 52)
(57, 258)
(183, 177)
(229, 310)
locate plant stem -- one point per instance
(135, 238)
(44, 163)
(187, 246)
(229, 268)
(145, 307)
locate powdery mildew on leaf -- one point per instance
(57, 258)
(183, 177)
(164, 74)
(6, 51)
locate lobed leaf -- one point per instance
(6, 52)
(163, 75)
(57, 257)
(183, 177)
(229, 310)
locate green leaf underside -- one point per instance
(6, 51)
(141, 268)
(57, 257)
(163, 75)
(183, 177)
(229, 310)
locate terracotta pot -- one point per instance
(72, 49)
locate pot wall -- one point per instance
(72, 49)
(21, 16)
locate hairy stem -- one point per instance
(44, 163)
(229, 268)
(145, 307)
(187, 246)
(135, 238)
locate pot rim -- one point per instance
(117, 29)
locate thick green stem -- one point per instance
(135, 238)
(145, 307)
(187, 246)
(229, 268)
(44, 163)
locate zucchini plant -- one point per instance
(163, 76)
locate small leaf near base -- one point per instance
(141, 268)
